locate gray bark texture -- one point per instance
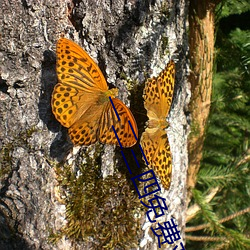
(135, 38)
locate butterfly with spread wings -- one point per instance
(80, 100)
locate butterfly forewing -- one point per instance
(158, 92)
(76, 69)
(69, 104)
(63, 105)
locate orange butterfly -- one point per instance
(157, 94)
(80, 100)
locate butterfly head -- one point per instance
(112, 93)
(104, 96)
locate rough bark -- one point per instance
(123, 36)
(201, 41)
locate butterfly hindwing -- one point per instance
(83, 134)
(110, 122)
(156, 148)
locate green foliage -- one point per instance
(230, 7)
(207, 211)
(233, 53)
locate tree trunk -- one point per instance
(201, 40)
(40, 171)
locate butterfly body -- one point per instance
(158, 93)
(157, 123)
(80, 100)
